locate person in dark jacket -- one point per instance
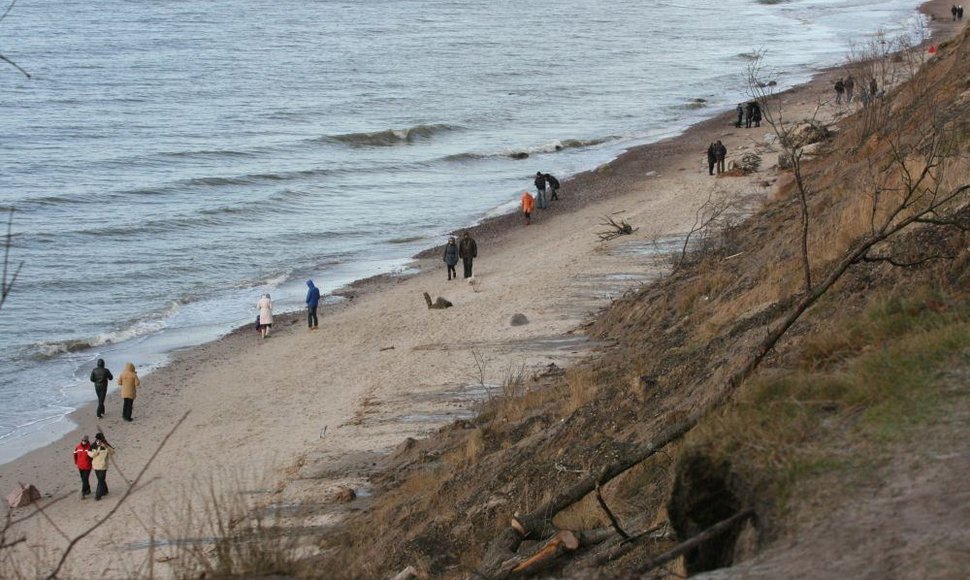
(554, 185)
(312, 300)
(451, 257)
(756, 113)
(540, 182)
(748, 114)
(467, 251)
(740, 116)
(711, 158)
(100, 377)
(721, 155)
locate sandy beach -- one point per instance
(288, 420)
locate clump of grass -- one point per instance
(216, 534)
(857, 392)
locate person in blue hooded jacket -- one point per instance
(312, 299)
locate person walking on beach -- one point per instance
(554, 185)
(528, 203)
(748, 114)
(711, 158)
(451, 257)
(128, 379)
(740, 116)
(756, 113)
(467, 251)
(83, 462)
(839, 89)
(540, 182)
(100, 453)
(721, 155)
(849, 88)
(312, 300)
(265, 308)
(100, 376)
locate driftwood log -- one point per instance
(439, 303)
(616, 230)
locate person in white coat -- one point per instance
(265, 307)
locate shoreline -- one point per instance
(492, 228)
(167, 389)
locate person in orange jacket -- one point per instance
(528, 203)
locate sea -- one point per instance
(169, 161)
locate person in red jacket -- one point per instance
(83, 462)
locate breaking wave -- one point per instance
(391, 137)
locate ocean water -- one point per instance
(172, 160)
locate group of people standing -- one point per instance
(529, 203)
(466, 251)
(716, 154)
(264, 310)
(749, 113)
(957, 12)
(845, 90)
(95, 456)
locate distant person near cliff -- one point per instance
(128, 379)
(839, 89)
(467, 251)
(740, 116)
(451, 257)
(721, 156)
(312, 300)
(711, 158)
(849, 88)
(554, 185)
(528, 202)
(100, 376)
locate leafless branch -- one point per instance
(613, 521)
(899, 264)
(7, 279)
(3, 58)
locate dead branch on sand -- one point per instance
(618, 229)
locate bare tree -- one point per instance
(792, 143)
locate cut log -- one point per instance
(408, 573)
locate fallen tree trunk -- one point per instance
(682, 548)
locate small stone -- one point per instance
(519, 319)
(345, 495)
